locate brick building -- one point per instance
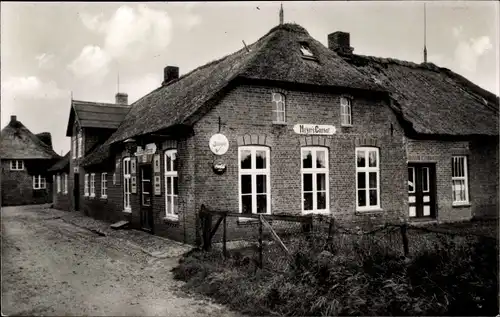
(288, 126)
(25, 159)
(60, 190)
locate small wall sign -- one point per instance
(219, 167)
(219, 144)
(314, 129)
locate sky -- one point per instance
(52, 50)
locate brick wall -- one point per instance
(482, 172)
(245, 114)
(61, 200)
(17, 188)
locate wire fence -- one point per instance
(273, 240)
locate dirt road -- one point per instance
(52, 267)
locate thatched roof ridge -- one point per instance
(61, 165)
(431, 99)
(18, 142)
(275, 56)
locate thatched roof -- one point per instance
(17, 142)
(99, 155)
(433, 100)
(276, 56)
(61, 165)
(96, 115)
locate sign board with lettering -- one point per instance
(219, 144)
(314, 129)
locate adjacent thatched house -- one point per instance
(287, 125)
(25, 158)
(61, 192)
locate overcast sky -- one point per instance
(51, 49)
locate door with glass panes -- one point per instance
(146, 195)
(422, 190)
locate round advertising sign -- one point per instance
(219, 144)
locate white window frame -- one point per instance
(315, 171)
(114, 178)
(73, 146)
(16, 165)
(104, 185)
(127, 184)
(345, 111)
(253, 171)
(463, 177)
(414, 180)
(65, 183)
(367, 169)
(80, 143)
(169, 173)
(86, 186)
(39, 182)
(58, 183)
(92, 185)
(276, 109)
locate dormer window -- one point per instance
(345, 111)
(306, 51)
(278, 107)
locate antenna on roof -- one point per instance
(425, 35)
(248, 50)
(281, 14)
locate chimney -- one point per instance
(339, 42)
(13, 118)
(170, 73)
(121, 99)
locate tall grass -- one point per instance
(444, 276)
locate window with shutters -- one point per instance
(104, 185)
(459, 180)
(92, 185)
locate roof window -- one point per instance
(306, 51)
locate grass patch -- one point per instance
(444, 276)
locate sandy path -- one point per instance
(51, 267)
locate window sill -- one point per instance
(346, 125)
(105, 197)
(127, 211)
(458, 205)
(171, 219)
(368, 211)
(92, 196)
(279, 123)
(316, 212)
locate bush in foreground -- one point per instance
(449, 279)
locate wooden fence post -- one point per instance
(224, 238)
(260, 242)
(404, 234)
(207, 243)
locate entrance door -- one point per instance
(146, 189)
(76, 191)
(421, 190)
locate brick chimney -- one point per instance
(339, 42)
(121, 99)
(170, 73)
(13, 118)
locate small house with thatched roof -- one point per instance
(25, 159)
(287, 125)
(60, 190)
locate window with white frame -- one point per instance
(16, 165)
(367, 178)
(459, 180)
(278, 100)
(127, 183)
(315, 193)
(254, 179)
(73, 146)
(39, 182)
(345, 111)
(104, 185)
(80, 143)
(86, 185)
(171, 184)
(65, 183)
(92, 185)
(58, 183)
